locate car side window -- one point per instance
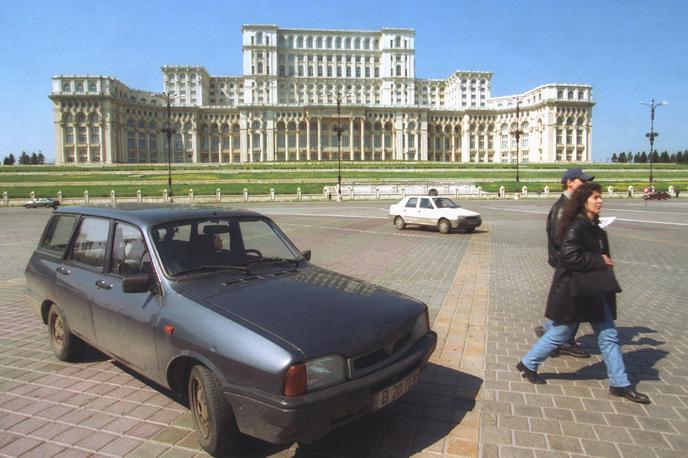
(60, 231)
(129, 253)
(91, 242)
(412, 203)
(425, 203)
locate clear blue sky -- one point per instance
(629, 51)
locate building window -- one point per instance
(152, 142)
(95, 136)
(69, 135)
(82, 135)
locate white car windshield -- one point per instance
(443, 202)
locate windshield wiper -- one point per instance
(272, 260)
(211, 268)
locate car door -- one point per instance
(125, 323)
(426, 212)
(410, 211)
(77, 275)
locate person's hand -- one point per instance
(607, 261)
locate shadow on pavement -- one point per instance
(419, 419)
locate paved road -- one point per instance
(485, 291)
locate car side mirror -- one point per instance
(139, 283)
(306, 254)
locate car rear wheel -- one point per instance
(218, 432)
(443, 226)
(399, 223)
(65, 345)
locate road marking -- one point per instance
(618, 219)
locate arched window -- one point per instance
(337, 44)
(142, 124)
(79, 87)
(318, 42)
(357, 43)
(366, 43)
(347, 43)
(397, 41)
(68, 117)
(328, 42)
(93, 118)
(152, 125)
(66, 87)
(309, 42)
(92, 87)
(299, 41)
(80, 117)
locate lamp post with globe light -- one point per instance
(652, 134)
(518, 132)
(168, 130)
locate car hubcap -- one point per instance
(200, 406)
(58, 333)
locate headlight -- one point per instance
(422, 326)
(314, 374)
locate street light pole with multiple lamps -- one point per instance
(652, 134)
(339, 148)
(168, 130)
(518, 133)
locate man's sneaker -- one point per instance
(529, 375)
(629, 393)
(573, 350)
(540, 331)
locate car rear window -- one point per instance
(91, 242)
(59, 232)
(412, 203)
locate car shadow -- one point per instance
(421, 418)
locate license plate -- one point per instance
(393, 392)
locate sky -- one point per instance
(629, 51)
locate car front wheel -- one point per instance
(443, 226)
(217, 428)
(65, 345)
(399, 223)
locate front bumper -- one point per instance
(281, 419)
(465, 223)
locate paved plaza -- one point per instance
(486, 292)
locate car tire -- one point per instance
(433, 192)
(215, 423)
(399, 223)
(28, 206)
(443, 226)
(65, 345)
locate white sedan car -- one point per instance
(441, 212)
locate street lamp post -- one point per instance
(652, 134)
(518, 133)
(339, 149)
(168, 130)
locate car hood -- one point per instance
(315, 310)
(457, 212)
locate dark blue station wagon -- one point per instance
(221, 307)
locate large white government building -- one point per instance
(284, 108)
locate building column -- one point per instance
(351, 138)
(466, 140)
(453, 144)
(363, 138)
(308, 138)
(231, 146)
(383, 142)
(286, 141)
(319, 138)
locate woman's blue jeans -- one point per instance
(607, 339)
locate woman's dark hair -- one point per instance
(575, 205)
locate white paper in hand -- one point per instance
(606, 221)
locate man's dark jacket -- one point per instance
(552, 228)
(582, 247)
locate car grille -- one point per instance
(367, 362)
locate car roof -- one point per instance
(146, 215)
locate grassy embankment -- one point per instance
(285, 178)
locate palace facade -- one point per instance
(309, 95)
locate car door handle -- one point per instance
(63, 270)
(102, 284)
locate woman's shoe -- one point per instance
(529, 375)
(629, 393)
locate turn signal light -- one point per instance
(296, 380)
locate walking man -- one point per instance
(571, 180)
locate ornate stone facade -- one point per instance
(284, 108)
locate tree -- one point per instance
(622, 157)
(41, 158)
(34, 158)
(679, 157)
(24, 159)
(643, 158)
(11, 159)
(664, 157)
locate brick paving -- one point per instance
(485, 292)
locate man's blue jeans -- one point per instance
(572, 340)
(607, 339)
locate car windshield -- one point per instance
(227, 245)
(443, 202)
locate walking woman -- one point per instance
(583, 290)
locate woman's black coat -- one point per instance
(582, 247)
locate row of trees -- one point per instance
(642, 158)
(25, 159)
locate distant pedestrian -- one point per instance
(572, 179)
(583, 290)
(677, 192)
